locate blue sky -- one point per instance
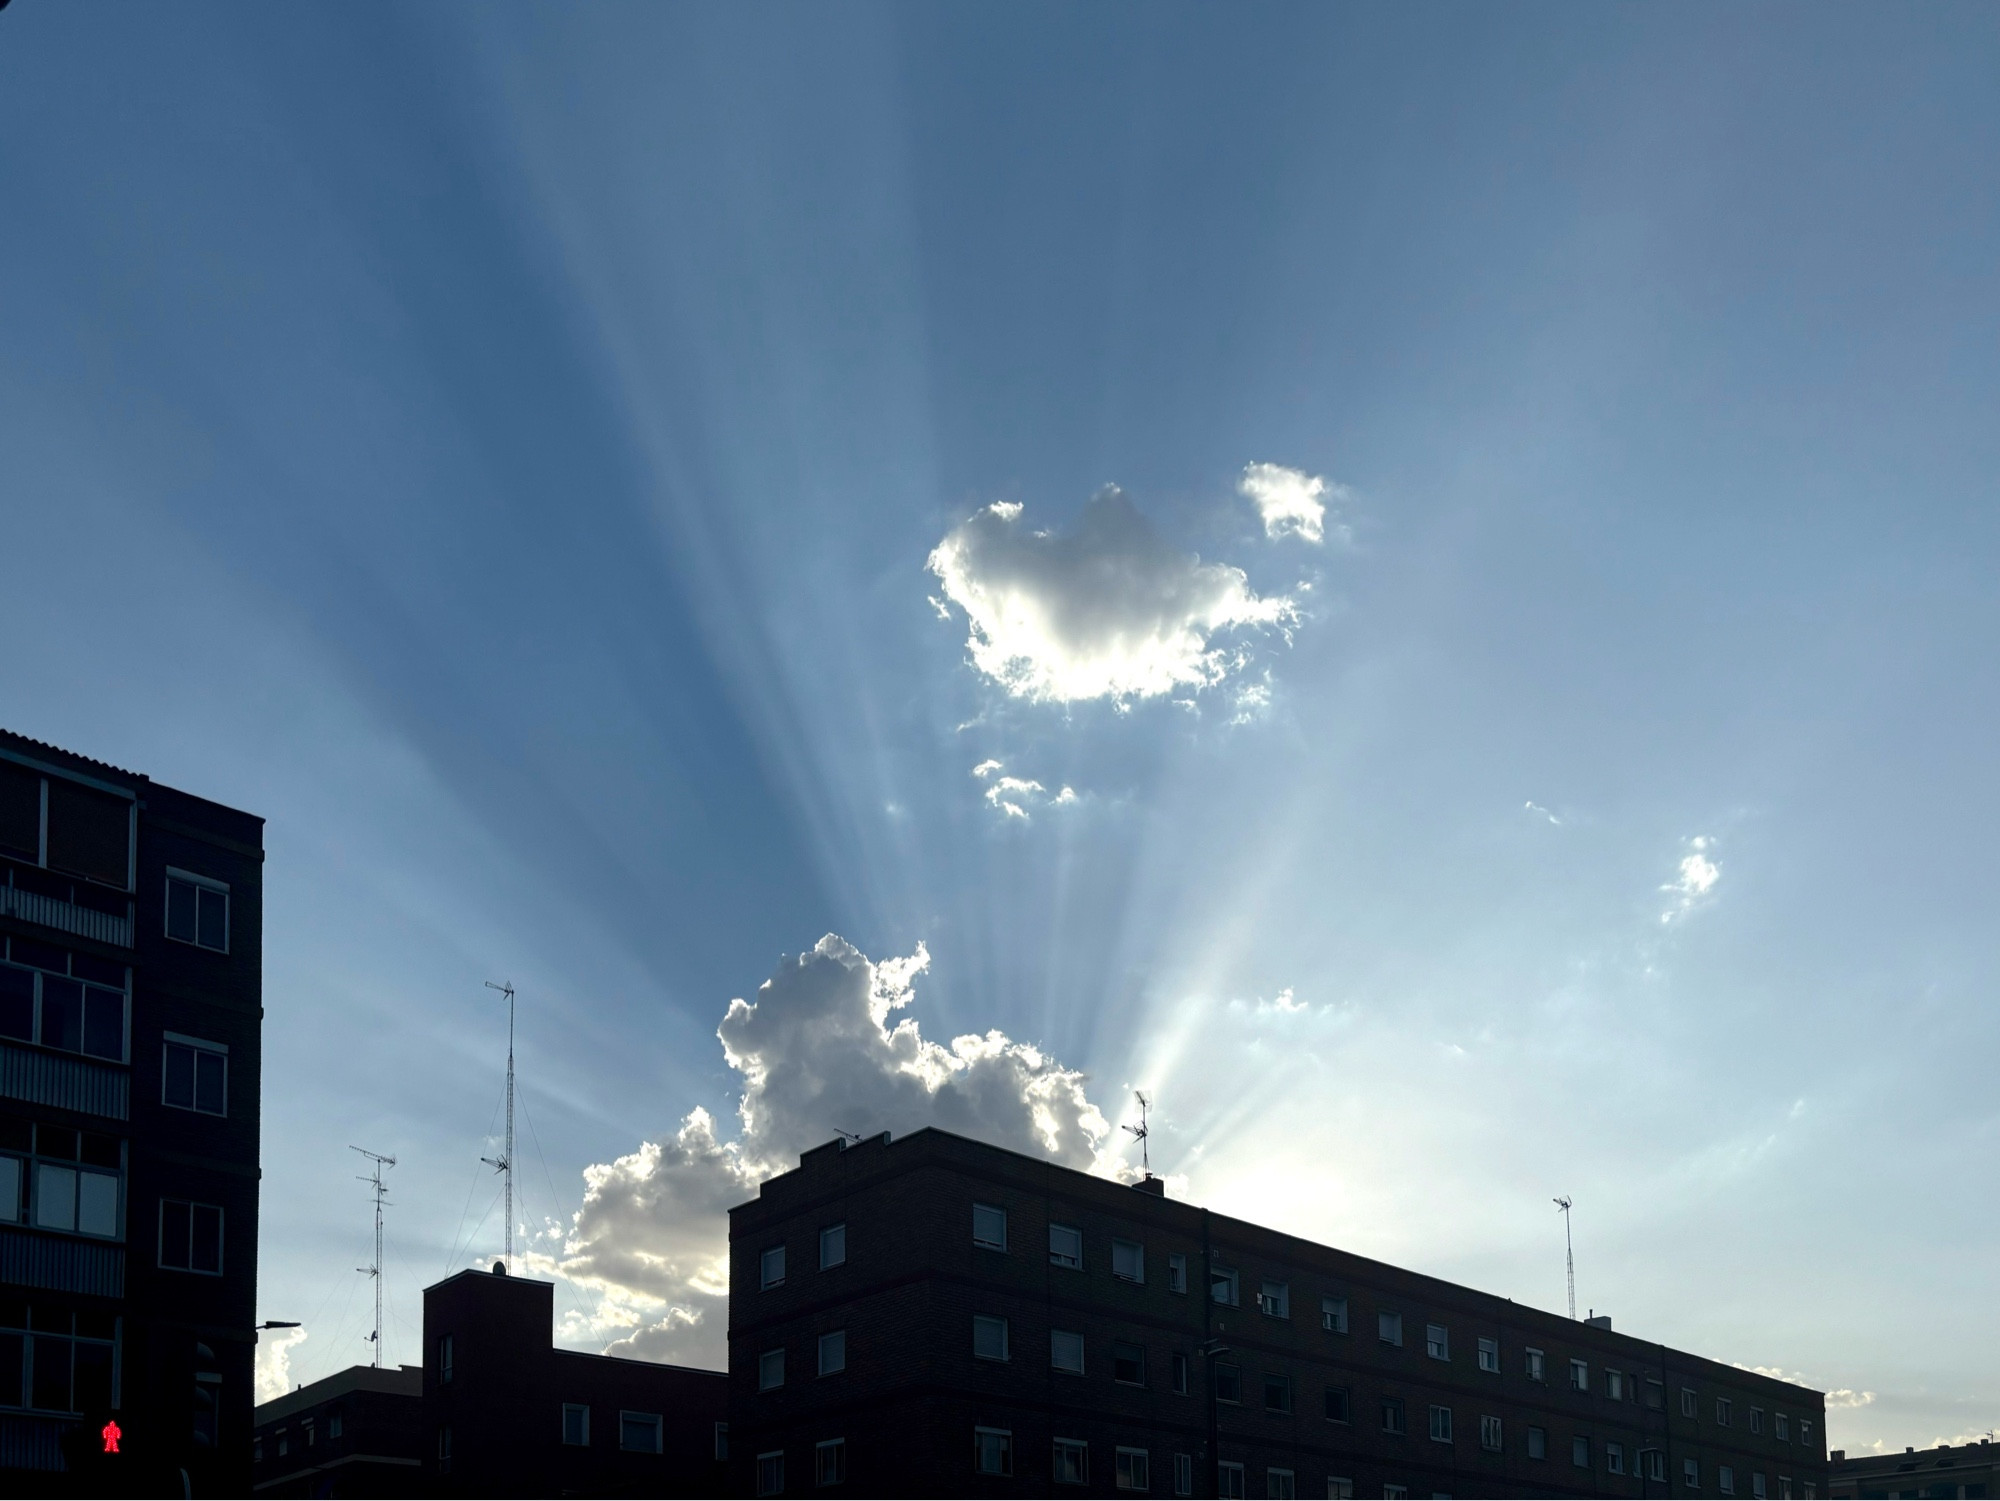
(522, 452)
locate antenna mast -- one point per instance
(1140, 1133)
(1569, 1255)
(505, 1162)
(374, 1180)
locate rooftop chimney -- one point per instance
(1599, 1321)
(1151, 1185)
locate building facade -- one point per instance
(358, 1432)
(505, 1413)
(934, 1316)
(131, 1012)
(1950, 1470)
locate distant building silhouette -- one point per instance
(131, 1006)
(358, 1432)
(1948, 1470)
(938, 1317)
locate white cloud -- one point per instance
(1696, 880)
(1540, 812)
(1290, 500)
(1013, 796)
(274, 1361)
(1109, 610)
(819, 1051)
(1848, 1397)
(986, 768)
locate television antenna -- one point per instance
(1140, 1132)
(374, 1180)
(1569, 1253)
(504, 1163)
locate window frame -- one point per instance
(1333, 1313)
(1579, 1374)
(1079, 1368)
(1230, 1280)
(1395, 1414)
(626, 1417)
(984, 1243)
(837, 1229)
(1538, 1442)
(770, 1472)
(1131, 1468)
(1065, 1259)
(198, 1047)
(1580, 1450)
(1005, 1450)
(221, 1239)
(1281, 1481)
(1437, 1341)
(839, 1346)
(765, 1281)
(1281, 1383)
(200, 883)
(1440, 1418)
(87, 989)
(1388, 1328)
(1117, 1359)
(1274, 1305)
(993, 1320)
(1077, 1448)
(764, 1369)
(1492, 1434)
(1177, 1270)
(1535, 1364)
(830, 1453)
(1135, 1254)
(578, 1410)
(1345, 1402)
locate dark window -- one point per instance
(1072, 1462)
(833, 1246)
(444, 1450)
(52, 1372)
(195, 1078)
(992, 1451)
(639, 1432)
(1228, 1382)
(771, 1473)
(75, 1017)
(721, 1442)
(20, 812)
(1277, 1393)
(1179, 1363)
(198, 912)
(1128, 1364)
(576, 1425)
(1338, 1409)
(830, 1462)
(446, 1367)
(1392, 1415)
(62, 1014)
(17, 1004)
(89, 833)
(989, 1227)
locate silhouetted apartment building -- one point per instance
(358, 1432)
(507, 1414)
(130, 1029)
(1969, 1470)
(934, 1316)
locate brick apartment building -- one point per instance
(131, 1019)
(1948, 1471)
(937, 1317)
(358, 1432)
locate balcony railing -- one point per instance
(64, 916)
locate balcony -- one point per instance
(48, 900)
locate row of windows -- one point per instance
(638, 1432)
(832, 1253)
(308, 1434)
(60, 1178)
(55, 1360)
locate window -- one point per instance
(639, 1432)
(1653, 1462)
(1279, 1482)
(1784, 1487)
(1340, 1488)
(576, 1425)
(1535, 1366)
(1490, 1435)
(770, 1370)
(1128, 1260)
(1338, 1407)
(1489, 1355)
(1614, 1458)
(1066, 1246)
(1392, 1415)
(1614, 1385)
(1183, 1474)
(1805, 1430)
(444, 1449)
(833, 1353)
(1228, 1382)
(833, 1246)
(1274, 1298)
(63, 1366)
(445, 1365)
(830, 1461)
(771, 1267)
(71, 1002)
(989, 1337)
(1176, 1272)
(1723, 1407)
(721, 1443)
(55, 1183)
(989, 1227)
(1579, 1375)
(1277, 1393)
(1389, 1328)
(1656, 1394)
(333, 1426)
(1725, 1479)
(1066, 1351)
(1691, 1474)
(1395, 1492)
(1333, 1315)
(1072, 1462)
(1133, 1470)
(194, 1075)
(1687, 1402)
(1441, 1424)
(1756, 1420)
(1437, 1342)
(1128, 1364)
(1222, 1285)
(1538, 1443)
(771, 1473)
(191, 1237)
(1781, 1428)
(1757, 1483)
(1579, 1453)
(1230, 1477)
(197, 911)
(992, 1451)
(1177, 1365)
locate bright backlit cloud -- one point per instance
(1013, 796)
(819, 1050)
(1290, 501)
(274, 1361)
(1695, 881)
(1108, 610)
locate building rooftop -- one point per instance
(399, 1381)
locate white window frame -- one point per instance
(839, 1347)
(1437, 1341)
(1614, 1457)
(1072, 1260)
(838, 1234)
(1489, 1354)
(1230, 1281)
(1274, 1304)
(197, 1046)
(1725, 1409)
(1183, 1474)
(625, 1416)
(1579, 1375)
(200, 882)
(581, 1409)
(1492, 1434)
(992, 1321)
(1230, 1477)
(1077, 1445)
(986, 1242)
(1725, 1480)
(1757, 1420)
(1536, 1364)
(1132, 1468)
(765, 1281)
(1441, 1419)
(1781, 1427)
(1691, 1473)
(1333, 1313)
(1133, 1253)
(1126, 1344)
(1177, 1269)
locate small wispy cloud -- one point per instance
(1695, 883)
(1847, 1397)
(1290, 501)
(1540, 812)
(1014, 796)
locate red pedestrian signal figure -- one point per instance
(112, 1433)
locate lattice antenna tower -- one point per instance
(1569, 1254)
(504, 1163)
(1140, 1132)
(374, 1180)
